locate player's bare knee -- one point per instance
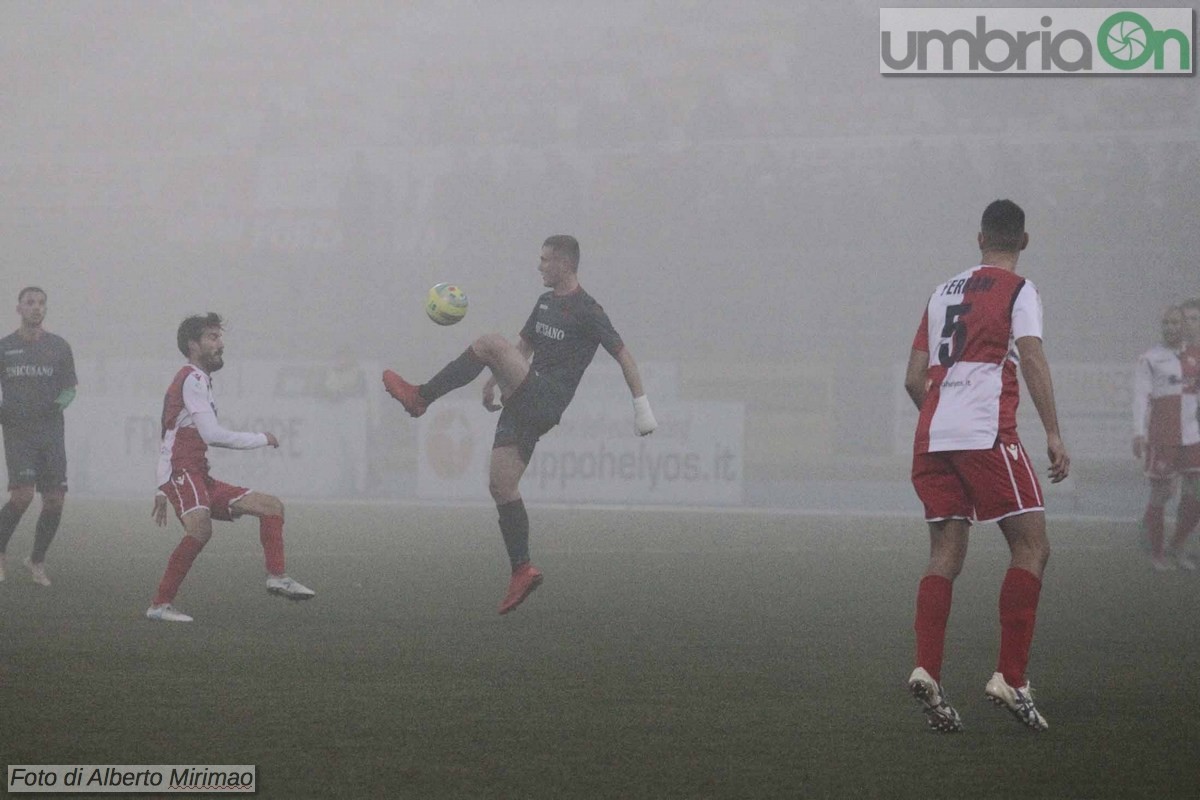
(503, 492)
(20, 498)
(201, 533)
(489, 346)
(53, 501)
(947, 565)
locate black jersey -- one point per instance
(32, 374)
(565, 331)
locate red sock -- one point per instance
(270, 533)
(1154, 529)
(177, 568)
(1186, 517)
(933, 609)
(1018, 612)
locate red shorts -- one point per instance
(189, 491)
(1168, 460)
(980, 485)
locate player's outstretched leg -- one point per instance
(405, 392)
(270, 513)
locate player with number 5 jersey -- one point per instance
(968, 463)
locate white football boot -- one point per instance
(38, 571)
(165, 612)
(287, 587)
(939, 714)
(1018, 701)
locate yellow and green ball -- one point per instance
(446, 304)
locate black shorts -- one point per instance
(36, 455)
(534, 408)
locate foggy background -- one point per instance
(761, 212)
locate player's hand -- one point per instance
(159, 512)
(1139, 446)
(643, 418)
(1060, 462)
(489, 397)
(271, 440)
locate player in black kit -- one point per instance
(37, 378)
(561, 336)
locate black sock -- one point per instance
(9, 517)
(458, 372)
(47, 526)
(514, 527)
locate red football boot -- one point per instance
(525, 579)
(405, 392)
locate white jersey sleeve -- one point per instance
(197, 398)
(1143, 386)
(1027, 312)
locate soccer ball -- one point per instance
(446, 304)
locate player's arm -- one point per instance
(916, 381)
(214, 435)
(198, 402)
(1143, 383)
(916, 374)
(1036, 371)
(644, 422)
(64, 398)
(70, 383)
(159, 512)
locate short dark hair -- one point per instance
(566, 246)
(192, 328)
(21, 294)
(1002, 226)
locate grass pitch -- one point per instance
(668, 654)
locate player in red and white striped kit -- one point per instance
(968, 463)
(189, 426)
(1166, 433)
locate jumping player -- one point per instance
(1166, 435)
(561, 335)
(189, 426)
(968, 463)
(37, 378)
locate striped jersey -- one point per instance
(969, 329)
(1164, 396)
(189, 425)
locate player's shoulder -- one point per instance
(190, 374)
(10, 340)
(54, 340)
(581, 300)
(1159, 353)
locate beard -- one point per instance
(213, 363)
